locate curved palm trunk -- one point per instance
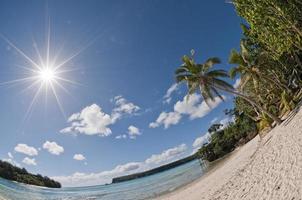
(251, 101)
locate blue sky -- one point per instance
(129, 51)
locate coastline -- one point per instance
(261, 169)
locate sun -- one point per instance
(47, 75)
(43, 74)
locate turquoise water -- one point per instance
(143, 188)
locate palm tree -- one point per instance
(199, 77)
(249, 68)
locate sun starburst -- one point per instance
(43, 74)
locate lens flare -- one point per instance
(43, 74)
(47, 75)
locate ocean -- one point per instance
(138, 189)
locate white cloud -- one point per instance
(167, 97)
(93, 121)
(133, 132)
(81, 179)
(167, 155)
(191, 106)
(53, 148)
(27, 150)
(214, 120)
(123, 107)
(123, 136)
(237, 83)
(11, 160)
(166, 119)
(188, 106)
(10, 155)
(226, 121)
(79, 157)
(90, 121)
(29, 161)
(200, 141)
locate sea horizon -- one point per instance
(141, 188)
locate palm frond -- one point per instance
(221, 83)
(181, 69)
(235, 58)
(218, 73)
(206, 94)
(180, 78)
(211, 61)
(217, 93)
(233, 72)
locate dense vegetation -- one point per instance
(269, 65)
(14, 173)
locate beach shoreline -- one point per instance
(260, 169)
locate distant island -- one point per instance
(155, 170)
(13, 173)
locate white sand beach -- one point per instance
(268, 169)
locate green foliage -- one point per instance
(269, 64)
(14, 173)
(225, 141)
(273, 24)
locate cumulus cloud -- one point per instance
(92, 120)
(226, 121)
(172, 88)
(11, 160)
(80, 179)
(133, 132)
(122, 136)
(10, 155)
(123, 107)
(29, 161)
(79, 157)
(192, 106)
(237, 83)
(25, 149)
(214, 120)
(200, 141)
(166, 119)
(167, 155)
(53, 148)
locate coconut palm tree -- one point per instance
(200, 77)
(249, 68)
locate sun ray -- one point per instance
(27, 68)
(77, 53)
(44, 72)
(67, 80)
(18, 80)
(38, 52)
(29, 110)
(20, 52)
(48, 44)
(58, 100)
(36, 82)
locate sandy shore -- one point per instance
(268, 169)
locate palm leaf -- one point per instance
(211, 61)
(221, 83)
(235, 58)
(181, 69)
(217, 93)
(233, 72)
(218, 73)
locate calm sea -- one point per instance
(143, 188)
